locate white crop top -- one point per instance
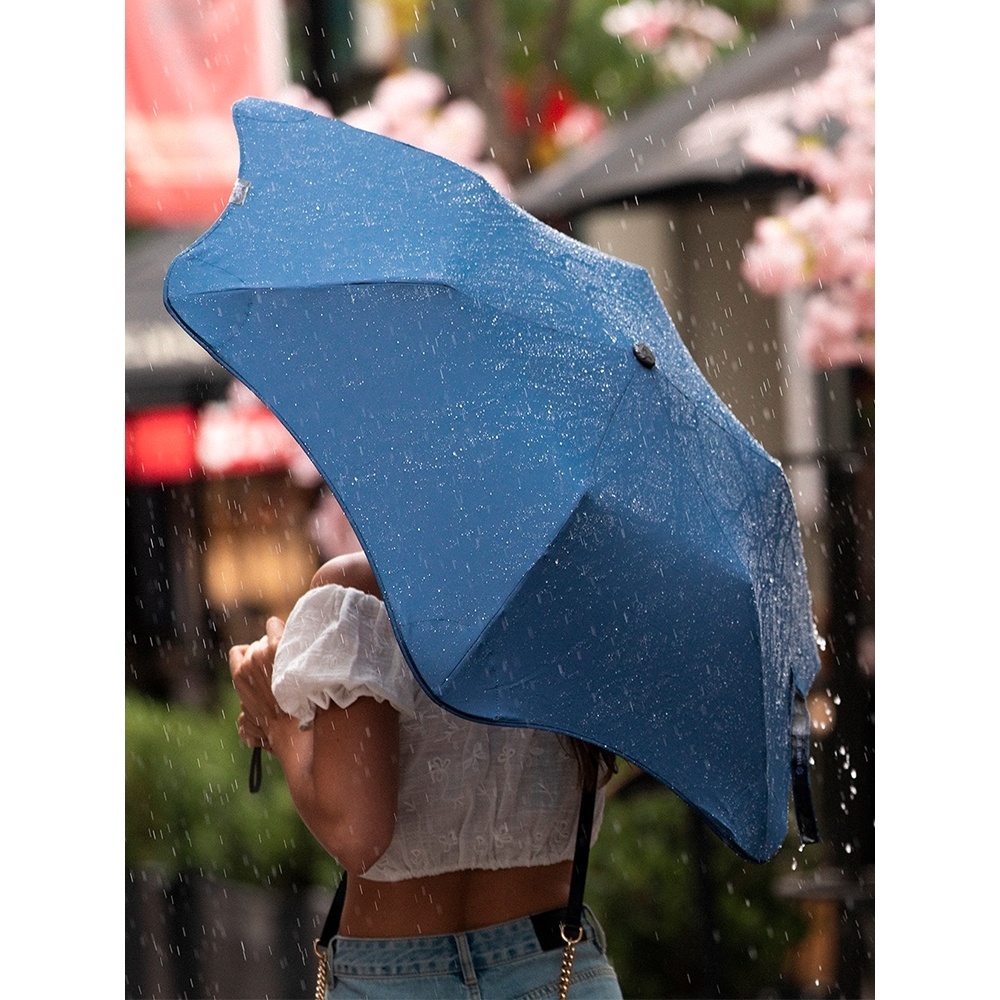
(470, 795)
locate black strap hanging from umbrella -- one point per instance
(805, 814)
(256, 770)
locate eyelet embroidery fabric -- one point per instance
(470, 795)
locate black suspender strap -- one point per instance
(326, 935)
(581, 860)
(332, 922)
(571, 928)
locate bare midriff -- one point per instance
(451, 902)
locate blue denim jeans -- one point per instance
(501, 962)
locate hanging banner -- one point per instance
(243, 439)
(186, 63)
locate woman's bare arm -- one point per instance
(342, 773)
(343, 777)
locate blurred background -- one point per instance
(728, 149)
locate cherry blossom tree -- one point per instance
(681, 36)
(413, 106)
(824, 243)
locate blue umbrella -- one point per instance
(571, 531)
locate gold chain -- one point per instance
(569, 952)
(321, 972)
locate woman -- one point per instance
(457, 838)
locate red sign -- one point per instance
(177, 443)
(244, 440)
(160, 445)
(186, 63)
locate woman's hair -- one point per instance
(595, 764)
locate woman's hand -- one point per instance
(343, 771)
(251, 666)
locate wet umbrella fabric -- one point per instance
(570, 530)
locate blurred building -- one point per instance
(218, 497)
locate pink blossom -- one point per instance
(301, 97)
(772, 145)
(839, 235)
(850, 172)
(828, 138)
(580, 123)
(815, 160)
(409, 93)
(831, 336)
(458, 132)
(644, 24)
(412, 106)
(682, 35)
(494, 175)
(846, 88)
(849, 218)
(777, 259)
(711, 23)
(685, 57)
(367, 117)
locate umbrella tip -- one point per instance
(644, 354)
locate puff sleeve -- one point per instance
(338, 646)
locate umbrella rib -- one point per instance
(555, 534)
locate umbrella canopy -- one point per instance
(570, 529)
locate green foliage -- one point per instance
(187, 806)
(596, 67)
(753, 15)
(599, 68)
(684, 915)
